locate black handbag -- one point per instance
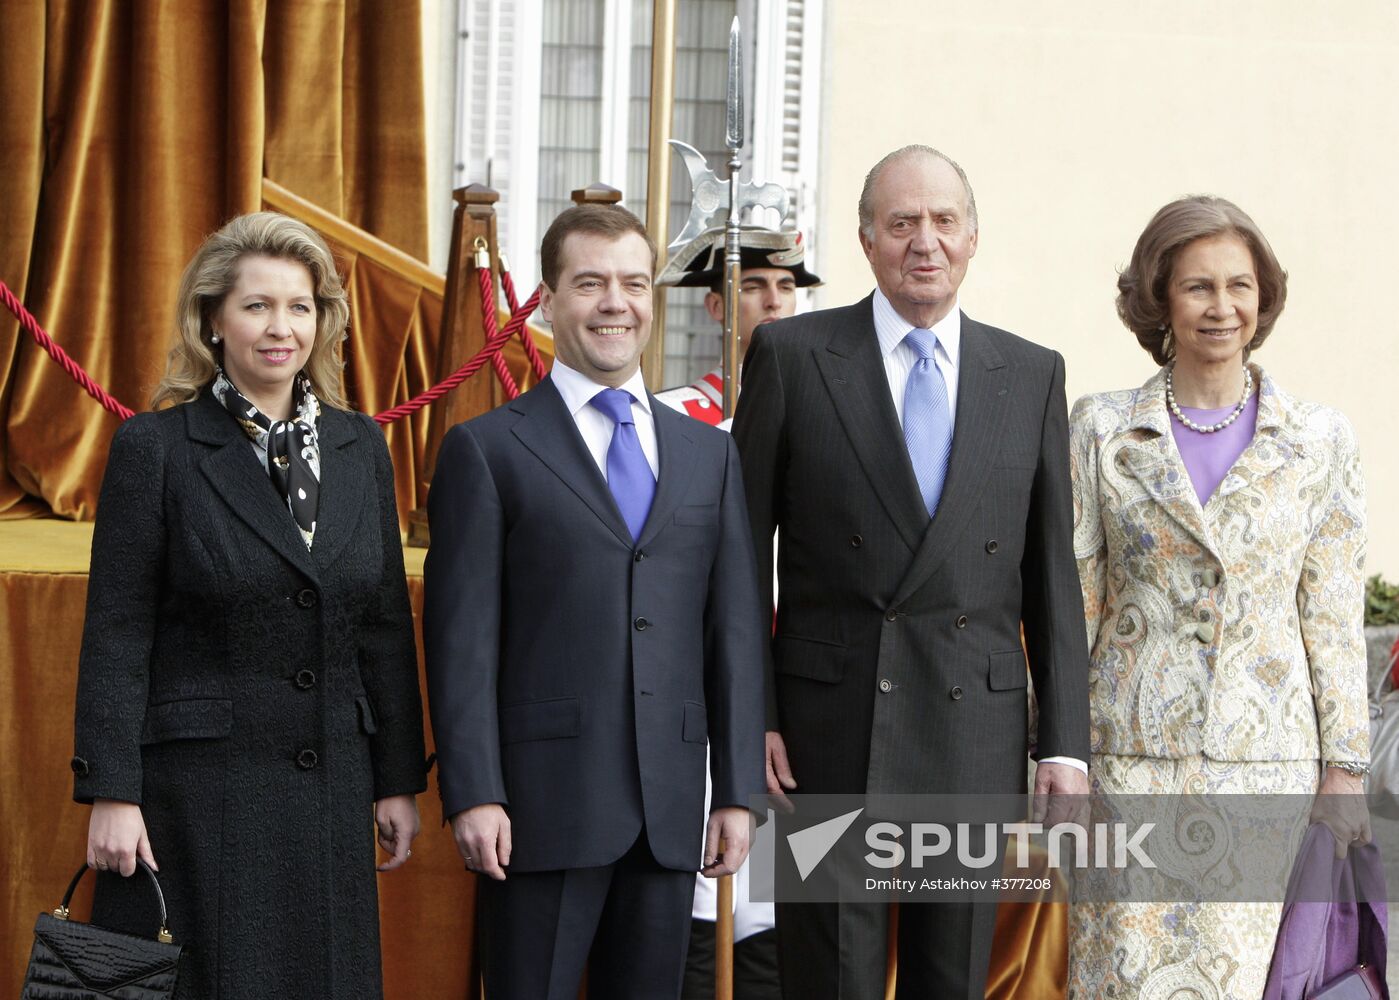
(72, 959)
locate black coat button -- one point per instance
(639, 556)
(79, 767)
(891, 615)
(856, 541)
(961, 621)
(307, 759)
(305, 679)
(641, 624)
(306, 598)
(992, 546)
(956, 693)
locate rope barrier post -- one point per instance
(463, 334)
(596, 194)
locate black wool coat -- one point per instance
(255, 699)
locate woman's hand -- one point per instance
(397, 819)
(116, 837)
(1340, 804)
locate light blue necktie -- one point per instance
(927, 419)
(629, 475)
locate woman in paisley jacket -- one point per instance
(1220, 535)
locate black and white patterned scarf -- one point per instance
(290, 448)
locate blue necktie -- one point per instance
(927, 419)
(629, 475)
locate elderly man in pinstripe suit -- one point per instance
(913, 464)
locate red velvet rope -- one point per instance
(488, 314)
(74, 370)
(495, 341)
(536, 361)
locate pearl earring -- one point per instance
(215, 338)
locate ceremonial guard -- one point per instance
(774, 268)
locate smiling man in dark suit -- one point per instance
(592, 620)
(914, 464)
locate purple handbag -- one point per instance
(1331, 943)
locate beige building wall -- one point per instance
(1077, 121)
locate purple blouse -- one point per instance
(1209, 457)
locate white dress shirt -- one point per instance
(899, 359)
(596, 427)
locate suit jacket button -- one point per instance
(885, 685)
(641, 624)
(891, 615)
(856, 541)
(1204, 632)
(961, 621)
(956, 693)
(306, 598)
(992, 546)
(305, 679)
(638, 557)
(307, 759)
(79, 767)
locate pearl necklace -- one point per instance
(1207, 428)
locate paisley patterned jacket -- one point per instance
(1232, 631)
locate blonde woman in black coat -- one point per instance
(247, 691)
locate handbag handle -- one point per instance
(163, 936)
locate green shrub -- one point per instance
(1381, 602)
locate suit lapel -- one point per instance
(853, 372)
(233, 471)
(548, 430)
(1275, 442)
(676, 451)
(1149, 455)
(983, 381)
(342, 492)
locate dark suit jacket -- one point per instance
(896, 665)
(252, 696)
(574, 675)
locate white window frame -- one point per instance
(765, 23)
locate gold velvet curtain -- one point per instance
(129, 130)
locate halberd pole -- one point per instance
(658, 172)
(733, 255)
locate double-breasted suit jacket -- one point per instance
(1231, 630)
(574, 674)
(252, 696)
(897, 663)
